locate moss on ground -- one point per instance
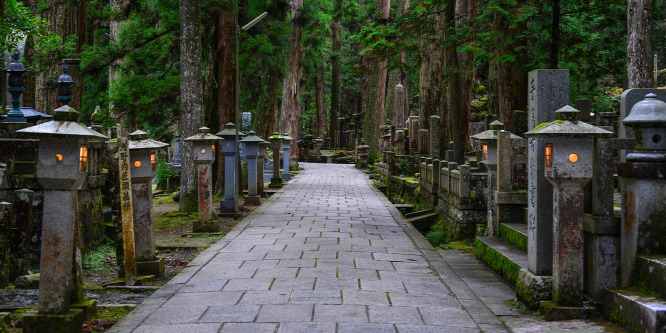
(514, 237)
(174, 220)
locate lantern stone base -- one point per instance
(553, 312)
(153, 267)
(228, 208)
(276, 181)
(70, 322)
(532, 289)
(88, 306)
(253, 200)
(206, 226)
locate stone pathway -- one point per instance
(327, 253)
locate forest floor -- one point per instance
(175, 242)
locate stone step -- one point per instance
(423, 223)
(637, 312)
(514, 233)
(651, 273)
(419, 213)
(503, 257)
(404, 208)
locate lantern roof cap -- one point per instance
(275, 136)
(252, 137)
(287, 137)
(204, 135)
(567, 125)
(65, 78)
(650, 112)
(491, 134)
(229, 130)
(146, 144)
(16, 65)
(64, 124)
(138, 135)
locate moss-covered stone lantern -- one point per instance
(62, 163)
(204, 145)
(251, 153)
(569, 156)
(318, 143)
(648, 120)
(286, 145)
(143, 168)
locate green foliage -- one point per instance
(18, 21)
(165, 171)
(101, 260)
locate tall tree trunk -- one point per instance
(225, 27)
(320, 100)
(639, 45)
(395, 77)
(292, 83)
(466, 10)
(431, 77)
(555, 38)
(374, 111)
(453, 91)
(66, 18)
(336, 71)
(191, 98)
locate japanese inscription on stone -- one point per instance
(126, 207)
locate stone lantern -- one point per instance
(143, 166)
(229, 205)
(569, 156)
(65, 83)
(263, 147)
(489, 141)
(643, 186)
(61, 170)
(286, 144)
(318, 143)
(15, 82)
(276, 145)
(251, 153)
(203, 145)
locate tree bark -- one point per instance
(66, 18)
(395, 77)
(466, 10)
(191, 98)
(555, 38)
(374, 111)
(320, 100)
(225, 27)
(639, 45)
(453, 91)
(431, 77)
(292, 83)
(336, 71)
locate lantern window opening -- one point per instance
(549, 155)
(58, 157)
(213, 148)
(137, 164)
(203, 150)
(485, 152)
(573, 157)
(153, 161)
(83, 159)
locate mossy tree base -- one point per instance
(70, 322)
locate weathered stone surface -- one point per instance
(548, 91)
(435, 137)
(151, 267)
(651, 273)
(628, 99)
(205, 192)
(552, 311)
(144, 229)
(69, 322)
(635, 312)
(584, 105)
(532, 289)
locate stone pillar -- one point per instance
(20, 234)
(261, 161)
(413, 130)
(399, 105)
(435, 136)
(5, 221)
(276, 145)
(423, 144)
(548, 91)
(228, 205)
(584, 106)
(205, 192)
(286, 145)
(144, 230)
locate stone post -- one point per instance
(20, 234)
(548, 90)
(423, 144)
(286, 145)
(5, 221)
(435, 136)
(399, 105)
(276, 146)
(252, 152)
(413, 130)
(263, 146)
(584, 105)
(229, 149)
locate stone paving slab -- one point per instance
(326, 253)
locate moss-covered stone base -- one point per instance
(155, 267)
(206, 226)
(635, 311)
(88, 306)
(513, 236)
(4, 322)
(497, 261)
(551, 311)
(532, 289)
(71, 322)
